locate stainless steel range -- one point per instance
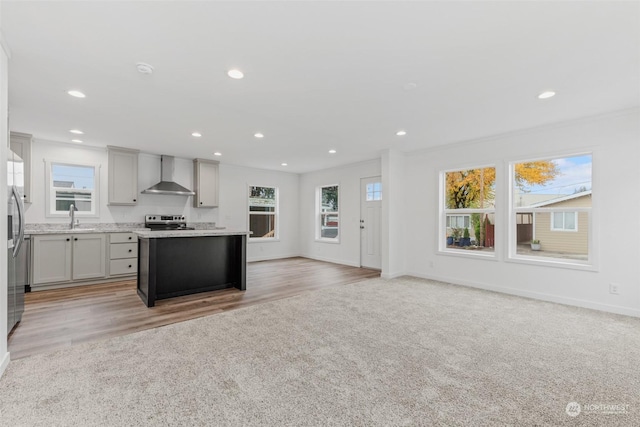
(166, 222)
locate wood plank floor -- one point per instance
(56, 319)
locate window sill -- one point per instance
(464, 253)
(330, 241)
(552, 262)
(263, 239)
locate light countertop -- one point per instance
(148, 234)
(34, 231)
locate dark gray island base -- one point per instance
(189, 263)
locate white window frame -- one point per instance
(444, 212)
(320, 213)
(564, 221)
(50, 190)
(591, 263)
(275, 214)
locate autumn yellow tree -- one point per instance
(475, 188)
(472, 188)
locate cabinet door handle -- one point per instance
(68, 240)
(200, 202)
(129, 265)
(129, 237)
(130, 250)
(134, 200)
(76, 239)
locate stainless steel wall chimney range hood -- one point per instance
(166, 184)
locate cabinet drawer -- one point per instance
(123, 238)
(124, 250)
(123, 266)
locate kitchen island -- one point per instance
(182, 262)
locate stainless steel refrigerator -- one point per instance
(17, 250)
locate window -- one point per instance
(71, 184)
(457, 221)
(565, 221)
(263, 211)
(328, 215)
(468, 213)
(555, 194)
(374, 191)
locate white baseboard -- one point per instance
(4, 363)
(535, 295)
(268, 258)
(334, 261)
(389, 276)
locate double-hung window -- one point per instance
(328, 216)
(468, 210)
(555, 194)
(72, 184)
(263, 212)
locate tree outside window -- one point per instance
(328, 213)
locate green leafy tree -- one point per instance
(330, 197)
(263, 192)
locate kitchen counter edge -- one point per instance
(148, 234)
(35, 232)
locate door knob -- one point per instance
(362, 227)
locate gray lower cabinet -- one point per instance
(67, 257)
(123, 254)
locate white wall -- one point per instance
(234, 208)
(232, 213)
(393, 221)
(148, 175)
(615, 143)
(4, 100)
(347, 251)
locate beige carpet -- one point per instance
(399, 352)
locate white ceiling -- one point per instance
(318, 75)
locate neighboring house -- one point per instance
(565, 231)
(63, 184)
(329, 223)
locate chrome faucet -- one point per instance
(72, 214)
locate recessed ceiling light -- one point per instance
(258, 135)
(332, 151)
(283, 164)
(546, 94)
(76, 131)
(235, 74)
(79, 141)
(217, 153)
(196, 134)
(144, 68)
(77, 94)
(401, 133)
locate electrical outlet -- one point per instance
(614, 288)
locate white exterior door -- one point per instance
(370, 222)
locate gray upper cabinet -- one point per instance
(20, 143)
(206, 183)
(123, 176)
